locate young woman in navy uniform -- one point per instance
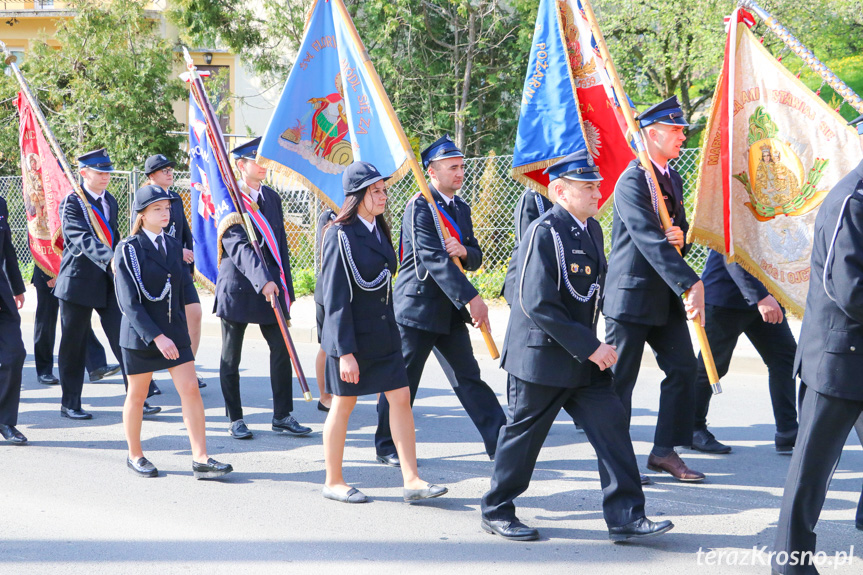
(160, 171)
(151, 284)
(360, 335)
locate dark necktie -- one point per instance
(161, 248)
(377, 233)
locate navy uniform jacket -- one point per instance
(242, 275)
(85, 275)
(643, 265)
(551, 334)
(531, 205)
(429, 284)
(326, 217)
(144, 320)
(729, 285)
(830, 351)
(357, 321)
(11, 282)
(178, 227)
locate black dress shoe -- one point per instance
(48, 379)
(322, 407)
(290, 425)
(12, 435)
(201, 383)
(513, 530)
(151, 409)
(392, 460)
(211, 469)
(704, 441)
(74, 413)
(154, 390)
(645, 480)
(429, 492)
(238, 430)
(142, 467)
(102, 372)
(785, 441)
(638, 529)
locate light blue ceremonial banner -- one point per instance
(329, 113)
(212, 208)
(548, 125)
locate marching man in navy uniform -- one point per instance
(829, 362)
(432, 298)
(246, 291)
(555, 361)
(160, 171)
(530, 207)
(12, 352)
(85, 282)
(360, 335)
(737, 303)
(646, 277)
(45, 332)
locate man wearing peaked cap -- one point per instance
(434, 299)
(85, 282)
(555, 361)
(160, 172)
(646, 277)
(247, 289)
(829, 361)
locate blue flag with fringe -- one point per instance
(329, 113)
(212, 208)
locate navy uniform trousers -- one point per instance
(12, 352)
(461, 370)
(672, 348)
(45, 330)
(773, 342)
(532, 411)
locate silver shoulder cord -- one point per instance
(561, 272)
(135, 268)
(828, 262)
(173, 231)
(352, 271)
(539, 205)
(653, 196)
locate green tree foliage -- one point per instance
(452, 66)
(111, 84)
(667, 47)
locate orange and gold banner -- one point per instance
(773, 150)
(44, 185)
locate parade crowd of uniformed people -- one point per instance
(383, 308)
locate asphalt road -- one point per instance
(69, 505)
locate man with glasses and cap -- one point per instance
(829, 362)
(85, 282)
(160, 172)
(247, 289)
(434, 299)
(555, 361)
(646, 277)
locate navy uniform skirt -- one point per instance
(151, 359)
(376, 375)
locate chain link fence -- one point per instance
(488, 189)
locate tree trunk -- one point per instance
(463, 100)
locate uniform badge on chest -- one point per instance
(573, 268)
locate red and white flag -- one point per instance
(44, 185)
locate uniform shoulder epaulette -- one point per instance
(458, 199)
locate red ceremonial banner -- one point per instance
(44, 185)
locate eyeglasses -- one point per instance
(167, 171)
